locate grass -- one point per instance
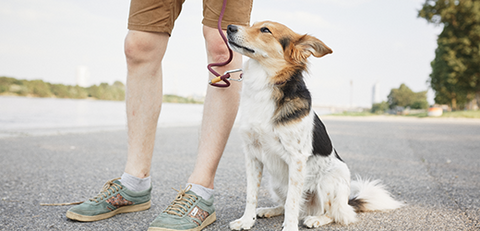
(179, 99)
(419, 115)
(462, 114)
(346, 113)
(453, 114)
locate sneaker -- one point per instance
(113, 199)
(188, 212)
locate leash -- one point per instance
(226, 76)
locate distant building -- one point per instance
(82, 77)
(376, 93)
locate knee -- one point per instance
(218, 51)
(216, 48)
(142, 47)
(135, 48)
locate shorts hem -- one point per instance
(158, 29)
(214, 23)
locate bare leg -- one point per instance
(220, 110)
(144, 52)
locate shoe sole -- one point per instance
(125, 209)
(209, 220)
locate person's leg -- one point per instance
(220, 110)
(150, 23)
(144, 52)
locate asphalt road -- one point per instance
(433, 165)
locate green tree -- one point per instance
(60, 90)
(77, 92)
(455, 76)
(39, 88)
(379, 108)
(405, 97)
(6, 82)
(104, 91)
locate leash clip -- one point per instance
(233, 71)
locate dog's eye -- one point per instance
(265, 30)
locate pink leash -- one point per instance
(226, 76)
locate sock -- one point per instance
(134, 183)
(205, 193)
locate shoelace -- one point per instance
(182, 202)
(105, 192)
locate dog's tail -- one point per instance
(366, 195)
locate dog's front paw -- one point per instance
(293, 228)
(270, 212)
(242, 224)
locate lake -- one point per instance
(31, 116)
(23, 116)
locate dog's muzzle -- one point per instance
(232, 40)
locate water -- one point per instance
(29, 116)
(20, 116)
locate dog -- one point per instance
(282, 134)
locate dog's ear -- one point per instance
(308, 45)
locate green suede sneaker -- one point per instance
(188, 212)
(113, 199)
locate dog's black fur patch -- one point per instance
(285, 41)
(322, 145)
(293, 89)
(358, 204)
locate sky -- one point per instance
(373, 41)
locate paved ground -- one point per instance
(431, 164)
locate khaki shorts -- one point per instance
(160, 15)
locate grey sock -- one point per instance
(205, 193)
(134, 183)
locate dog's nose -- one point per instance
(232, 29)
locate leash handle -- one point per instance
(225, 77)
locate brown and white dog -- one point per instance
(283, 135)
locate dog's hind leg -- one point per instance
(270, 212)
(317, 221)
(278, 191)
(254, 169)
(336, 205)
(314, 208)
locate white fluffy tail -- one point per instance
(366, 195)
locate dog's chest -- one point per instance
(256, 112)
(258, 127)
(257, 105)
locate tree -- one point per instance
(39, 88)
(60, 90)
(455, 76)
(405, 97)
(107, 92)
(379, 108)
(6, 82)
